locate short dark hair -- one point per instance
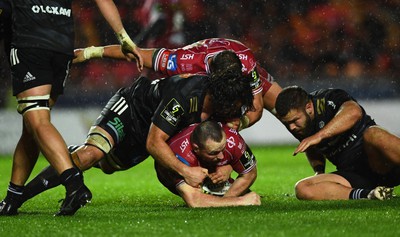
(206, 130)
(226, 61)
(230, 93)
(291, 97)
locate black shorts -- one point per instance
(116, 119)
(369, 180)
(36, 67)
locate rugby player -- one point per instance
(331, 125)
(138, 120)
(199, 57)
(41, 54)
(210, 145)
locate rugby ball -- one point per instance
(216, 189)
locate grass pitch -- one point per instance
(134, 203)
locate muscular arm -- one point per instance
(255, 115)
(242, 184)
(348, 115)
(110, 12)
(158, 148)
(112, 51)
(269, 98)
(194, 197)
(316, 160)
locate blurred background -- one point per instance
(348, 44)
(352, 44)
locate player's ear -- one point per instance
(309, 107)
(196, 147)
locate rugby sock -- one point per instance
(72, 179)
(48, 178)
(14, 194)
(359, 193)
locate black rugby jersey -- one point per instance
(326, 104)
(171, 104)
(43, 24)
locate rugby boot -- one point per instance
(9, 208)
(75, 200)
(381, 193)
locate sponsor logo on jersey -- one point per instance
(243, 56)
(172, 64)
(60, 11)
(340, 147)
(117, 125)
(187, 57)
(184, 144)
(230, 142)
(172, 112)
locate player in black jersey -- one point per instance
(5, 25)
(331, 125)
(41, 53)
(5, 44)
(138, 120)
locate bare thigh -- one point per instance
(382, 149)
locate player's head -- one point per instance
(294, 108)
(231, 95)
(208, 141)
(225, 61)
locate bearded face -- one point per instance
(299, 123)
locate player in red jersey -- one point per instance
(198, 58)
(210, 145)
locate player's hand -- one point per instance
(251, 199)
(82, 55)
(78, 56)
(234, 123)
(194, 176)
(129, 49)
(306, 143)
(222, 174)
(239, 124)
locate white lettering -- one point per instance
(183, 145)
(187, 56)
(60, 11)
(242, 57)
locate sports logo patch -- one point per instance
(172, 112)
(172, 64)
(256, 81)
(247, 159)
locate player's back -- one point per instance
(194, 58)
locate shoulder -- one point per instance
(233, 139)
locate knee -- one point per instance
(303, 190)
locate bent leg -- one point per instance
(323, 187)
(48, 178)
(382, 148)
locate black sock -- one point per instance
(14, 194)
(48, 178)
(72, 179)
(359, 193)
